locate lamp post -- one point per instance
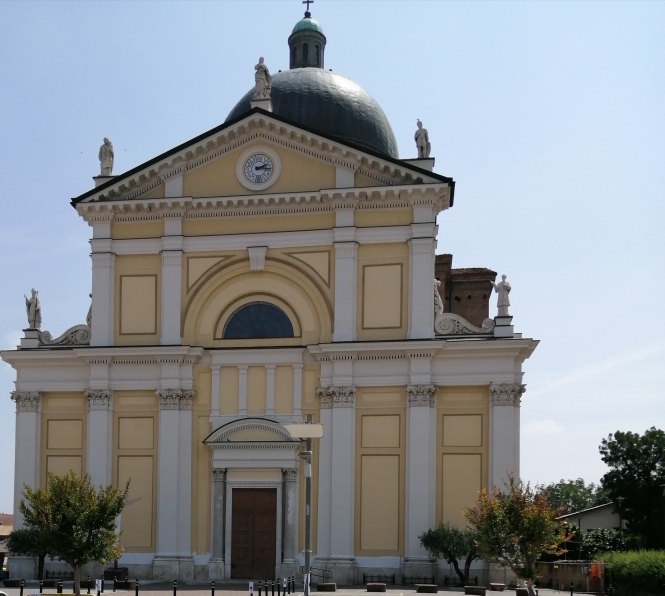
(307, 431)
(620, 499)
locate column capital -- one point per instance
(98, 399)
(26, 401)
(218, 474)
(290, 474)
(346, 250)
(338, 397)
(175, 399)
(506, 394)
(421, 395)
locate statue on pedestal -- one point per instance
(503, 301)
(422, 141)
(34, 310)
(106, 158)
(263, 81)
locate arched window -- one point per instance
(293, 57)
(318, 55)
(258, 320)
(305, 54)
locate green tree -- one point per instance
(452, 544)
(574, 495)
(635, 480)
(29, 542)
(77, 520)
(514, 527)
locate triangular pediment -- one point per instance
(250, 430)
(214, 154)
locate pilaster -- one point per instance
(346, 266)
(216, 567)
(420, 467)
(103, 274)
(99, 436)
(421, 296)
(290, 476)
(504, 450)
(171, 290)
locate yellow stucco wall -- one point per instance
(135, 431)
(380, 471)
(137, 299)
(462, 450)
(382, 291)
(121, 230)
(258, 223)
(371, 218)
(63, 434)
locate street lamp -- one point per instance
(307, 431)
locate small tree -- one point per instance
(451, 544)
(77, 520)
(515, 527)
(29, 542)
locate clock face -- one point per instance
(258, 168)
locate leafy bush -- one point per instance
(637, 571)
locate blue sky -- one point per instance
(549, 116)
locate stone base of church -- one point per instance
(344, 569)
(216, 569)
(22, 567)
(170, 568)
(418, 567)
(288, 568)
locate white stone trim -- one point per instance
(346, 274)
(421, 296)
(257, 257)
(171, 295)
(270, 389)
(102, 308)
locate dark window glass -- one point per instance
(258, 320)
(318, 56)
(305, 54)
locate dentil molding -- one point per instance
(338, 397)
(26, 401)
(421, 395)
(98, 399)
(506, 394)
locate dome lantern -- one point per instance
(307, 43)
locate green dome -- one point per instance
(307, 24)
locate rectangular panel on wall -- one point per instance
(138, 304)
(382, 297)
(462, 482)
(135, 433)
(64, 434)
(379, 502)
(284, 390)
(256, 390)
(136, 518)
(228, 383)
(462, 430)
(62, 464)
(380, 431)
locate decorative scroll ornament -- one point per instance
(506, 394)
(98, 399)
(449, 324)
(290, 474)
(338, 397)
(79, 335)
(438, 303)
(175, 399)
(218, 474)
(421, 395)
(26, 401)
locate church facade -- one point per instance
(279, 266)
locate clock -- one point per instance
(258, 168)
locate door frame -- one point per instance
(248, 483)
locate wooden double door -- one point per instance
(253, 533)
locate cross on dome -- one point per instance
(308, 2)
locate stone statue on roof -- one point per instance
(34, 310)
(422, 141)
(263, 81)
(106, 158)
(503, 301)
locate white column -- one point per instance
(99, 436)
(270, 389)
(174, 477)
(242, 390)
(421, 290)
(214, 389)
(324, 530)
(297, 390)
(216, 568)
(103, 273)
(290, 515)
(26, 466)
(346, 265)
(504, 432)
(171, 296)
(420, 466)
